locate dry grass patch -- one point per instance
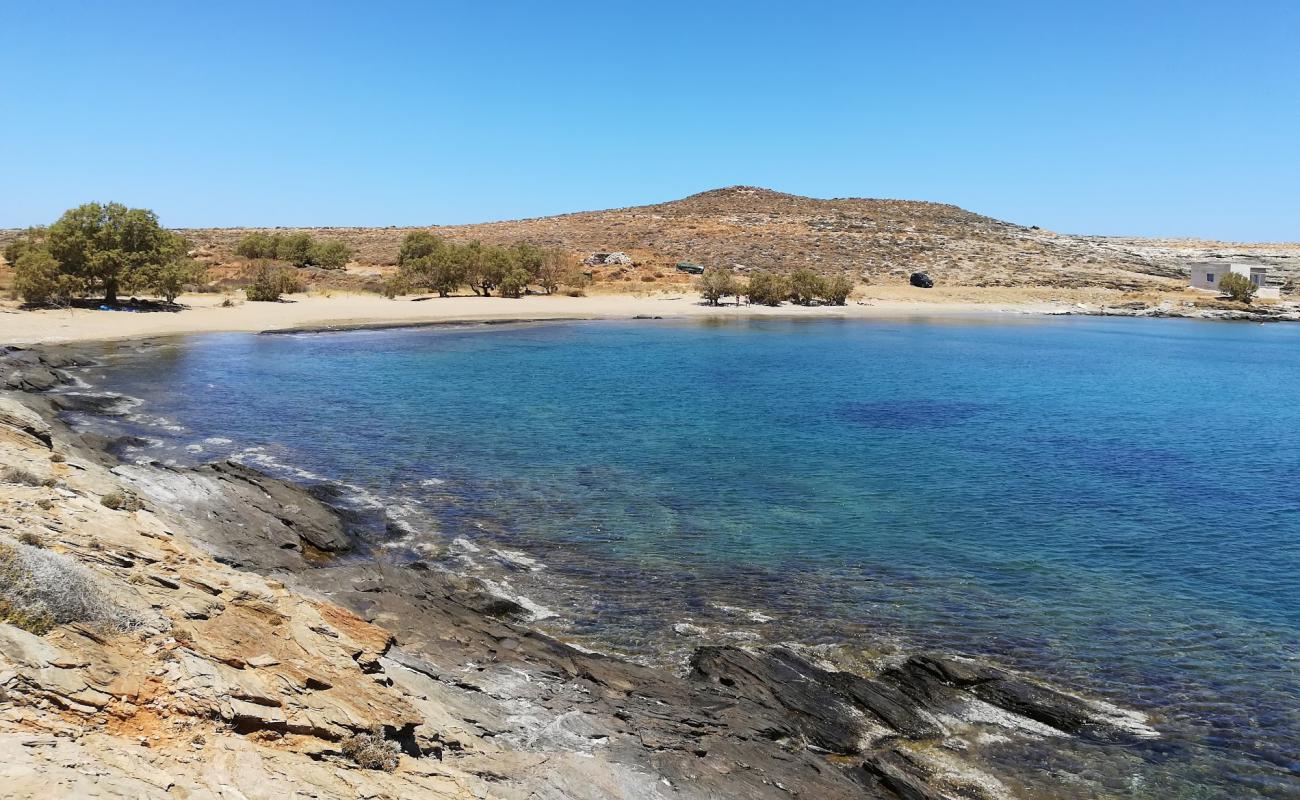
(40, 589)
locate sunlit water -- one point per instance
(1111, 503)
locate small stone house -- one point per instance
(1207, 274)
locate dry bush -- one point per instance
(371, 750)
(119, 501)
(40, 589)
(20, 476)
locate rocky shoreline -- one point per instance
(274, 641)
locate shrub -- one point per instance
(837, 289)
(1238, 287)
(806, 286)
(330, 254)
(395, 285)
(20, 476)
(371, 750)
(717, 283)
(40, 589)
(31, 539)
(119, 501)
(40, 281)
(258, 245)
(294, 248)
(270, 282)
(767, 288)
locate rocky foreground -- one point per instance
(256, 651)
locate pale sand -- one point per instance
(359, 310)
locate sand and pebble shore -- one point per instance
(207, 314)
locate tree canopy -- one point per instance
(106, 248)
(428, 261)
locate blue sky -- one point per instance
(1149, 118)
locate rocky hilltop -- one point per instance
(214, 632)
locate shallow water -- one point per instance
(1114, 503)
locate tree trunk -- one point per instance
(110, 292)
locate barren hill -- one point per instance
(754, 228)
(876, 241)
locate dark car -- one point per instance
(922, 280)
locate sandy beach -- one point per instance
(205, 313)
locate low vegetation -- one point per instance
(429, 262)
(20, 476)
(717, 283)
(40, 589)
(371, 750)
(802, 287)
(97, 249)
(1238, 287)
(767, 288)
(270, 282)
(298, 249)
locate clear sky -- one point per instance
(1142, 117)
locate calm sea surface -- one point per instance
(1111, 503)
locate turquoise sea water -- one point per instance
(1111, 503)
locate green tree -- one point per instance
(486, 266)
(31, 238)
(837, 289)
(767, 288)
(1238, 287)
(40, 281)
(717, 283)
(528, 258)
(170, 279)
(552, 269)
(294, 248)
(515, 282)
(806, 286)
(419, 244)
(329, 254)
(446, 270)
(258, 245)
(109, 247)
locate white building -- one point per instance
(1207, 274)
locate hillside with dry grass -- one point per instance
(748, 228)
